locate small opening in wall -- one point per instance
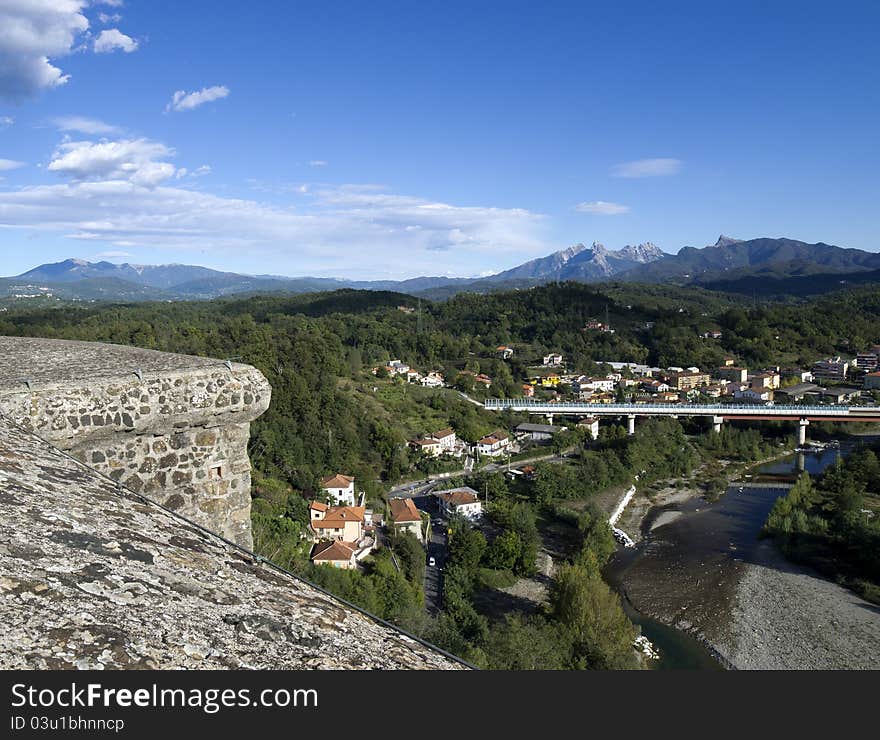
(216, 471)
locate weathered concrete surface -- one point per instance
(92, 577)
(173, 427)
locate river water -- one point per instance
(685, 570)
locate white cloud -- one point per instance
(113, 254)
(108, 18)
(662, 167)
(197, 172)
(601, 208)
(112, 39)
(133, 160)
(366, 229)
(317, 163)
(10, 164)
(6, 121)
(84, 125)
(31, 33)
(182, 100)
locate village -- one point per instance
(345, 531)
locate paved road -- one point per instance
(434, 575)
(414, 489)
(423, 487)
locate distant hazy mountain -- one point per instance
(76, 278)
(582, 263)
(155, 276)
(782, 266)
(732, 258)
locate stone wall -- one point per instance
(94, 577)
(172, 427)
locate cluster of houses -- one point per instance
(823, 383)
(453, 502)
(344, 534)
(395, 368)
(446, 442)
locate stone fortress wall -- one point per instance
(95, 576)
(172, 427)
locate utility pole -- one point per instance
(420, 317)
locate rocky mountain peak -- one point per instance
(643, 253)
(726, 241)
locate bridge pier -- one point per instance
(802, 432)
(550, 419)
(717, 421)
(631, 424)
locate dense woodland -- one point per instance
(329, 414)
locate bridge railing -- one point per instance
(720, 409)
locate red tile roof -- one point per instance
(334, 550)
(404, 510)
(337, 481)
(337, 516)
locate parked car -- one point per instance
(431, 561)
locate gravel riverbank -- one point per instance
(701, 568)
(785, 617)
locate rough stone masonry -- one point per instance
(92, 577)
(172, 427)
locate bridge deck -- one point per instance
(724, 410)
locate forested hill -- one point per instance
(317, 350)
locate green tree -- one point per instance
(591, 616)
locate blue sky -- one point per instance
(396, 139)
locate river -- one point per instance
(680, 579)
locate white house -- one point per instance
(437, 443)
(754, 395)
(596, 384)
(399, 368)
(340, 488)
(405, 517)
(552, 360)
(493, 444)
(460, 501)
(446, 438)
(432, 380)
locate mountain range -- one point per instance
(768, 266)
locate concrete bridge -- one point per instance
(719, 412)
